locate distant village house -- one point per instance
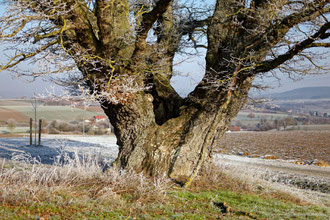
(99, 118)
(233, 128)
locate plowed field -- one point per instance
(6, 114)
(91, 109)
(304, 146)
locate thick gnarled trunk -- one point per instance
(179, 146)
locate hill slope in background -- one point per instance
(303, 93)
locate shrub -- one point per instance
(53, 131)
(57, 126)
(74, 122)
(61, 126)
(264, 125)
(251, 115)
(52, 124)
(11, 124)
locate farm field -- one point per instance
(245, 120)
(306, 105)
(21, 111)
(243, 115)
(91, 109)
(18, 102)
(303, 146)
(7, 113)
(53, 112)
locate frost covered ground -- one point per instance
(313, 180)
(53, 146)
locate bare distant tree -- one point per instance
(122, 52)
(251, 115)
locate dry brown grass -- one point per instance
(304, 146)
(92, 109)
(82, 180)
(212, 177)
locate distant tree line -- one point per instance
(266, 124)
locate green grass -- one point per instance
(179, 204)
(55, 211)
(243, 205)
(54, 112)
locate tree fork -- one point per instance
(178, 147)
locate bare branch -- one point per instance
(148, 19)
(319, 45)
(271, 64)
(18, 58)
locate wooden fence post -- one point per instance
(39, 138)
(30, 131)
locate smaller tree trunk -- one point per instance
(39, 137)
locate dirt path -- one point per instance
(275, 165)
(311, 181)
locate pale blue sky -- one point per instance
(185, 84)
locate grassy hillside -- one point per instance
(21, 111)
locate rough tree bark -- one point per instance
(157, 131)
(179, 146)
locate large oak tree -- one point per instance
(122, 52)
